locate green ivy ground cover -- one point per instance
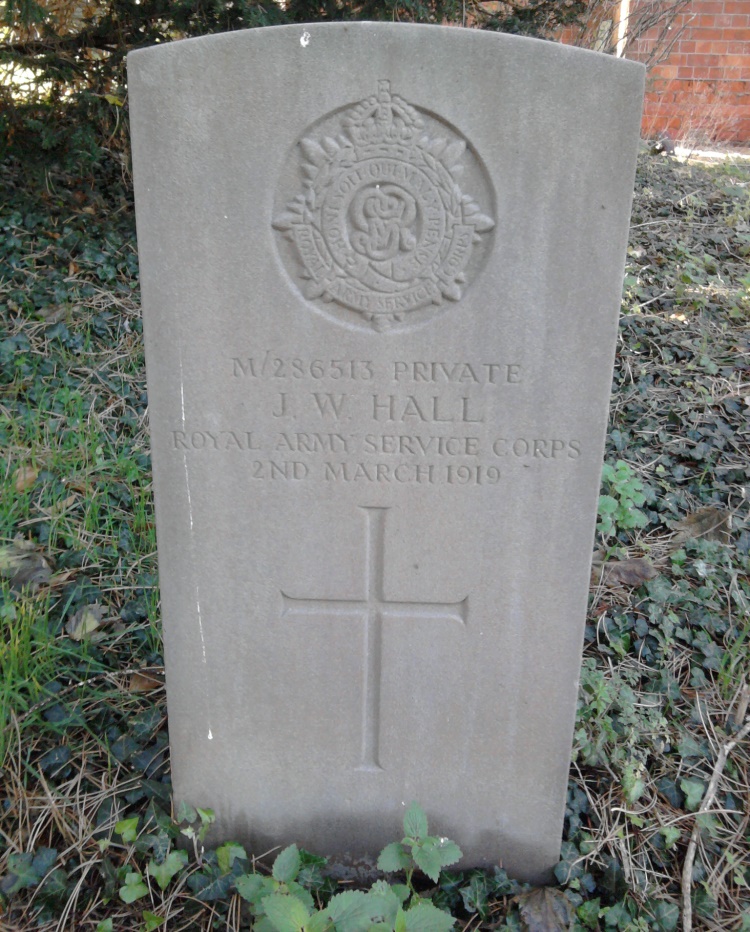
(656, 829)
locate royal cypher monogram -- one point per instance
(382, 227)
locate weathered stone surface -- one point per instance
(381, 268)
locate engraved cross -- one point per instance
(372, 610)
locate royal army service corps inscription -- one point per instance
(381, 233)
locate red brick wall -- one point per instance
(701, 91)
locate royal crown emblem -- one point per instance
(381, 227)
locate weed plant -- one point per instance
(656, 829)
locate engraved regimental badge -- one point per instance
(381, 231)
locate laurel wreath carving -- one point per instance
(382, 130)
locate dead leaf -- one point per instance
(23, 567)
(25, 477)
(545, 910)
(51, 315)
(60, 507)
(84, 621)
(709, 522)
(144, 682)
(633, 572)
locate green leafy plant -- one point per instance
(194, 831)
(280, 903)
(620, 503)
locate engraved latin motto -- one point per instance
(382, 213)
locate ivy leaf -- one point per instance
(186, 813)
(151, 921)
(210, 885)
(286, 912)
(227, 854)
(693, 790)
(134, 888)
(43, 861)
(424, 917)
(415, 822)
(171, 865)
(666, 915)
(26, 870)
(393, 858)
(21, 874)
(287, 865)
(128, 829)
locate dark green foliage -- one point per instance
(664, 660)
(74, 110)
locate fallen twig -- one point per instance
(687, 870)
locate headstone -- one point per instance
(381, 268)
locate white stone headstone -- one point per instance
(381, 269)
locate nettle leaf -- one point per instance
(427, 859)
(253, 887)
(299, 892)
(415, 822)
(285, 912)
(319, 922)
(432, 854)
(287, 864)
(353, 911)
(394, 858)
(171, 865)
(448, 850)
(401, 890)
(693, 790)
(387, 901)
(424, 917)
